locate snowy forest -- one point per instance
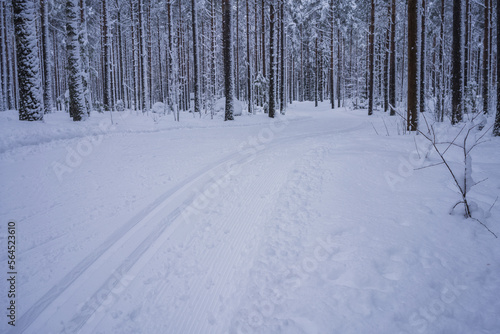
(249, 166)
(84, 56)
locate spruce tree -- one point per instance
(28, 61)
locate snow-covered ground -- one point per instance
(311, 223)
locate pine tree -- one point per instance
(422, 58)
(227, 50)
(486, 56)
(456, 64)
(440, 79)
(47, 70)
(77, 108)
(195, 58)
(143, 55)
(272, 61)
(282, 56)
(84, 52)
(106, 46)
(3, 60)
(28, 62)
(371, 56)
(496, 127)
(249, 66)
(331, 83)
(392, 69)
(412, 120)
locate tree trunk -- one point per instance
(316, 84)
(332, 51)
(75, 85)
(282, 62)
(263, 39)
(144, 59)
(3, 59)
(196, 73)
(169, 57)
(440, 79)
(106, 57)
(371, 57)
(272, 60)
(340, 60)
(237, 48)
(392, 70)
(135, 58)
(227, 46)
(496, 127)
(466, 54)
(47, 70)
(249, 68)
(28, 63)
(412, 121)
(456, 64)
(83, 38)
(486, 55)
(422, 59)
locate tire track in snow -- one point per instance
(246, 219)
(58, 294)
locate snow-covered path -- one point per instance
(260, 227)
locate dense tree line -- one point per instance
(416, 56)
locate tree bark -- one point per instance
(108, 105)
(392, 70)
(227, 41)
(249, 67)
(371, 57)
(456, 64)
(422, 59)
(47, 70)
(486, 56)
(332, 52)
(75, 84)
(496, 126)
(3, 59)
(412, 121)
(282, 62)
(272, 60)
(28, 63)
(196, 73)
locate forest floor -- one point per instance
(321, 221)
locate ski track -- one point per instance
(156, 223)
